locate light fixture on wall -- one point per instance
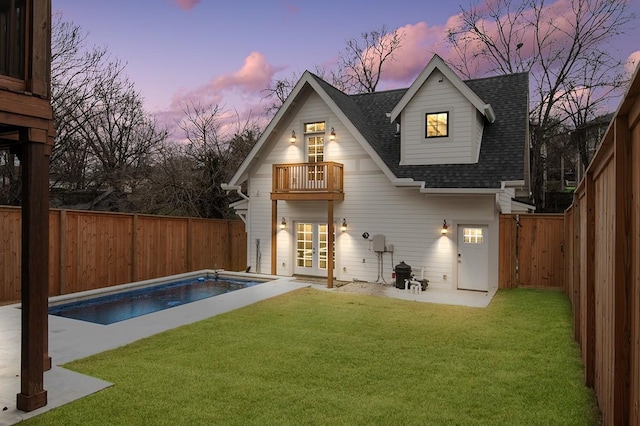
(343, 228)
(445, 228)
(293, 137)
(283, 224)
(332, 135)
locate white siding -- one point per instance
(461, 147)
(409, 220)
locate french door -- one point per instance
(312, 249)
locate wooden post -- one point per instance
(589, 286)
(189, 244)
(330, 230)
(622, 273)
(274, 237)
(35, 275)
(577, 285)
(63, 252)
(134, 248)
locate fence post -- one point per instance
(134, 248)
(622, 272)
(63, 252)
(189, 244)
(590, 300)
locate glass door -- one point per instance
(311, 251)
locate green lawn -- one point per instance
(320, 358)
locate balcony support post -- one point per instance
(274, 236)
(330, 244)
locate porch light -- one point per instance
(332, 135)
(445, 228)
(293, 138)
(343, 228)
(283, 224)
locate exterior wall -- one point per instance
(460, 147)
(410, 221)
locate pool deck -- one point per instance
(71, 339)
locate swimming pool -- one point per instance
(134, 301)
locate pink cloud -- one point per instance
(419, 43)
(187, 4)
(291, 8)
(254, 75)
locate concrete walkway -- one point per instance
(71, 339)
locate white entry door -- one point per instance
(473, 257)
(312, 249)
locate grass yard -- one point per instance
(319, 358)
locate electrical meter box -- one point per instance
(378, 243)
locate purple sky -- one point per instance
(227, 52)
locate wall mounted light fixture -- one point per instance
(332, 135)
(293, 137)
(445, 228)
(283, 224)
(343, 228)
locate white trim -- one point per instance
(460, 191)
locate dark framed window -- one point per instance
(437, 124)
(12, 37)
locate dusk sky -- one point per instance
(227, 52)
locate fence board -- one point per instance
(605, 222)
(89, 250)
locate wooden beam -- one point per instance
(589, 286)
(274, 237)
(35, 276)
(308, 196)
(330, 238)
(622, 273)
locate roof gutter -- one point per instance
(237, 188)
(461, 191)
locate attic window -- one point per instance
(437, 125)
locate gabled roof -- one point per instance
(502, 152)
(436, 63)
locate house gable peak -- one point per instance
(437, 64)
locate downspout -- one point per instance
(238, 190)
(245, 218)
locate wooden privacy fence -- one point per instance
(531, 251)
(603, 266)
(89, 250)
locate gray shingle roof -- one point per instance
(502, 153)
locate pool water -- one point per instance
(134, 303)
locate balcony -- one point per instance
(308, 181)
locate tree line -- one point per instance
(111, 154)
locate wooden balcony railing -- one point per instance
(308, 181)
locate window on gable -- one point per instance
(314, 139)
(12, 37)
(437, 125)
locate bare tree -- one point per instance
(74, 69)
(279, 89)
(566, 52)
(10, 183)
(187, 178)
(360, 64)
(359, 67)
(105, 140)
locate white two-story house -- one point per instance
(348, 186)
